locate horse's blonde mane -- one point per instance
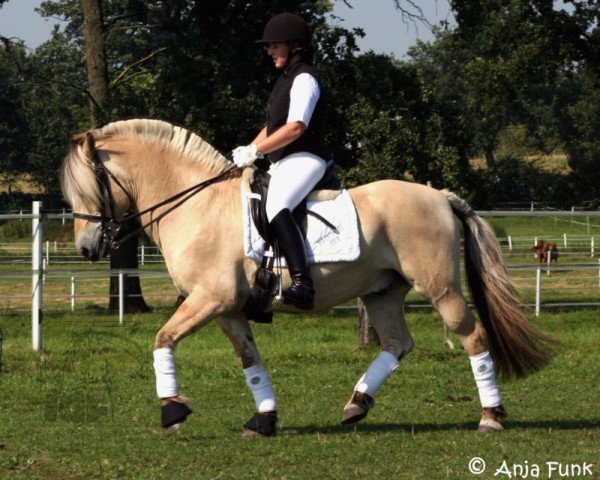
(78, 180)
(176, 138)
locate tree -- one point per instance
(125, 257)
(578, 111)
(515, 53)
(97, 70)
(14, 130)
(85, 32)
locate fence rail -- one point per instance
(578, 282)
(61, 253)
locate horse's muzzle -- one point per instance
(91, 244)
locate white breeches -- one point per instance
(292, 179)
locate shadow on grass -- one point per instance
(437, 427)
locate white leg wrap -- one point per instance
(166, 376)
(382, 367)
(483, 371)
(259, 384)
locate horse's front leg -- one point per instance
(264, 421)
(197, 310)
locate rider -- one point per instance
(292, 142)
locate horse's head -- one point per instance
(97, 196)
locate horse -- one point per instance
(187, 196)
(542, 249)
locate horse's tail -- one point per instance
(517, 347)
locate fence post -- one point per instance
(72, 294)
(47, 252)
(538, 291)
(548, 260)
(143, 254)
(510, 243)
(121, 297)
(37, 234)
(587, 221)
(592, 248)
(565, 239)
(63, 217)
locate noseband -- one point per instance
(110, 224)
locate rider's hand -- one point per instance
(246, 155)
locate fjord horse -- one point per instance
(188, 197)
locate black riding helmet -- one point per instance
(286, 27)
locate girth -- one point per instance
(265, 282)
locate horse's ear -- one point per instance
(87, 143)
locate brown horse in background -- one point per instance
(543, 249)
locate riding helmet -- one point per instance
(286, 27)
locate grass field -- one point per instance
(86, 408)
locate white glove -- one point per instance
(245, 156)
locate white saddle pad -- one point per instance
(322, 243)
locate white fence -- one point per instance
(43, 255)
(514, 249)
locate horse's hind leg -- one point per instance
(460, 320)
(386, 314)
(264, 421)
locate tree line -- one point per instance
(510, 73)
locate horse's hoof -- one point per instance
(490, 419)
(174, 413)
(488, 425)
(357, 408)
(247, 434)
(168, 431)
(263, 424)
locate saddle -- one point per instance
(265, 279)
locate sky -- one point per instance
(386, 32)
(385, 29)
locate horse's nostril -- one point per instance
(85, 252)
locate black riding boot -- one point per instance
(291, 244)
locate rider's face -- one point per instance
(279, 52)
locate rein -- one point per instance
(110, 226)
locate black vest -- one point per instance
(277, 112)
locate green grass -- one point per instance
(542, 227)
(86, 407)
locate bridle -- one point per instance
(110, 225)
